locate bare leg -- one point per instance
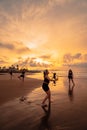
(73, 82)
(48, 96)
(69, 82)
(45, 99)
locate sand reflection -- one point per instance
(45, 124)
(70, 92)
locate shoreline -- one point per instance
(15, 88)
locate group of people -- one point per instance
(46, 81)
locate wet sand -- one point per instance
(11, 89)
(68, 110)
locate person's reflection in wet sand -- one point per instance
(70, 92)
(45, 124)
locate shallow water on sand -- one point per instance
(68, 110)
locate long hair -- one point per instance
(45, 72)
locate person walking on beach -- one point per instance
(70, 77)
(22, 76)
(11, 73)
(46, 88)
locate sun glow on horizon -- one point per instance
(43, 33)
(41, 61)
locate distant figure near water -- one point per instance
(45, 87)
(11, 73)
(55, 77)
(22, 76)
(70, 76)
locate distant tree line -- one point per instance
(16, 69)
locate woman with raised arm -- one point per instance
(45, 87)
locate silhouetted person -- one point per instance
(46, 88)
(22, 76)
(11, 73)
(70, 76)
(55, 78)
(45, 124)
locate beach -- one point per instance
(68, 110)
(11, 89)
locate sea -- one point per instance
(77, 72)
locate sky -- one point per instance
(43, 33)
